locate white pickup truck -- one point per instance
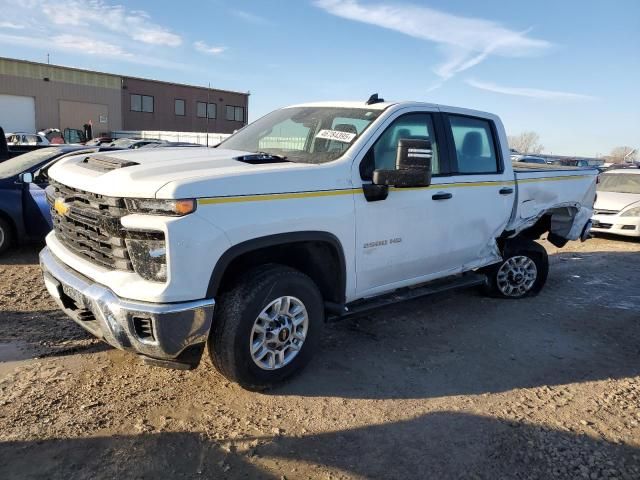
(313, 211)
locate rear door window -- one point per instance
(475, 149)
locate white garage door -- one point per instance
(17, 114)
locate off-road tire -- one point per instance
(518, 248)
(234, 318)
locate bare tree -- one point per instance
(526, 142)
(623, 154)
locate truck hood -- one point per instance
(615, 200)
(187, 173)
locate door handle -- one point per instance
(442, 196)
(506, 191)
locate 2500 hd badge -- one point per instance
(382, 243)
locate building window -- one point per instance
(211, 110)
(235, 114)
(179, 107)
(201, 109)
(204, 110)
(147, 103)
(141, 103)
(136, 103)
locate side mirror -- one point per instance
(26, 177)
(413, 165)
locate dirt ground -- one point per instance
(455, 386)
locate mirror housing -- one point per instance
(413, 165)
(26, 177)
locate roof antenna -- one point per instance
(374, 99)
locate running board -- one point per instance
(468, 280)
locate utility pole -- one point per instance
(207, 110)
(48, 62)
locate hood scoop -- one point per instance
(261, 158)
(103, 163)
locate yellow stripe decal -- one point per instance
(351, 191)
(552, 179)
(276, 196)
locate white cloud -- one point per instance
(94, 18)
(464, 41)
(90, 27)
(157, 37)
(250, 17)
(528, 92)
(11, 25)
(89, 46)
(208, 49)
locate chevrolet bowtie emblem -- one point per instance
(61, 207)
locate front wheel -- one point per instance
(6, 235)
(522, 272)
(267, 327)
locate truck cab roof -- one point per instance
(385, 105)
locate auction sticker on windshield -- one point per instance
(337, 135)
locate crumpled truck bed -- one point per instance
(566, 193)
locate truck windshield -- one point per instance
(26, 161)
(304, 134)
(619, 182)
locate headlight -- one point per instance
(153, 206)
(632, 212)
(148, 254)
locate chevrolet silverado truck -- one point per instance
(314, 211)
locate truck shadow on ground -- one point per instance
(439, 445)
(582, 327)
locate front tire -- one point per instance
(522, 272)
(6, 235)
(267, 327)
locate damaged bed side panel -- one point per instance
(567, 196)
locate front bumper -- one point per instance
(617, 225)
(172, 334)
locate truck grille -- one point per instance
(88, 224)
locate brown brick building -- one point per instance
(155, 105)
(35, 96)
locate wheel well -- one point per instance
(536, 230)
(321, 259)
(556, 221)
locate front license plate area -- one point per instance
(75, 296)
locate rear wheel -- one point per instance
(267, 327)
(522, 272)
(6, 235)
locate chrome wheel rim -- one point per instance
(516, 276)
(278, 333)
(1, 237)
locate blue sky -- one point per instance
(567, 69)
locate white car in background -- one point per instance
(617, 207)
(27, 139)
